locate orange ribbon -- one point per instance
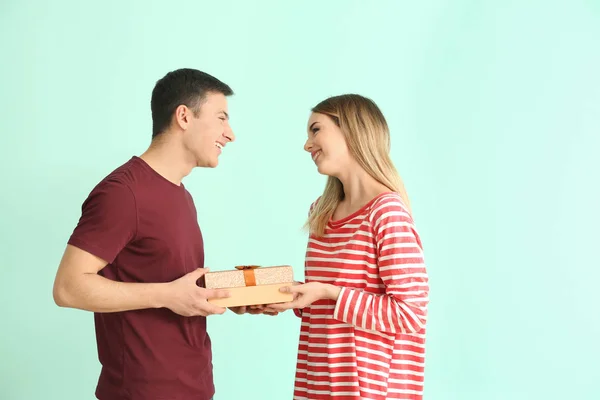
(249, 276)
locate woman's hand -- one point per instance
(306, 294)
(257, 309)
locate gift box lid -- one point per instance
(257, 275)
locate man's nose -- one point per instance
(229, 134)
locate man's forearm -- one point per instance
(95, 293)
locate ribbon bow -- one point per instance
(249, 276)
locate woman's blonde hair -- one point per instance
(368, 138)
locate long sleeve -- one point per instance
(400, 261)
(298, 311)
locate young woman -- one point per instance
(364, 303)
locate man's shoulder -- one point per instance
(120, 184)
(124, 176)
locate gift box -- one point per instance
(251, 285)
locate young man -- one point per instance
(136, 257)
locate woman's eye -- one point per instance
(315, 130)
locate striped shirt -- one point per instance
(370, 343)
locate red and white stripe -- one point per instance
(370, 344)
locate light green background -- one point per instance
(494, 109)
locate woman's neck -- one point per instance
(359, 188)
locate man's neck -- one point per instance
(168, 159)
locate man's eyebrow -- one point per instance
(224, 112)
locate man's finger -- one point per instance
(212, 309)
(208, 308)
(197, 273)
(238, 310)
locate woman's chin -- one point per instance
(323, 170)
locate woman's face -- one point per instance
(327, 145)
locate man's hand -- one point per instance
(184, 297)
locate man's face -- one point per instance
(207, 135)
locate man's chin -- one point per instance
(208, 163)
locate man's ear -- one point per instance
(182, 116)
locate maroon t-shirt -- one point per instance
(146, 228)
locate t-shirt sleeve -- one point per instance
(108, 221)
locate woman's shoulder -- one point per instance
(388, 200)
(386, 203)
